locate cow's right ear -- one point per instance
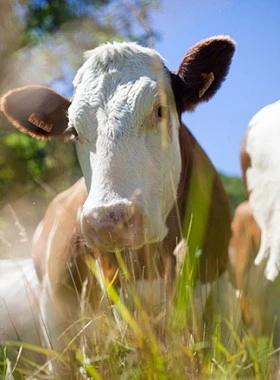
(202, 71)
(37, 111)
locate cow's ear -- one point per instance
(202, 71)
(37, 111)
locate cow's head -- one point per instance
(125, 119)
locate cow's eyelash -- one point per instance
(71, 133)
(160, 113)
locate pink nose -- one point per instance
(114, 227)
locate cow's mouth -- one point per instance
(110, 233)
(114, 238)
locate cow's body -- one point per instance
(244, 244)
(260, 163)
(148, 183)
(243, 248)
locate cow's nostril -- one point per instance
(114, 227)
(115, 218)
(92, 223)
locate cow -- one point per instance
(147, 183)
(260, 161)
(244, 244)
(243, 248)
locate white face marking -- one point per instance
(124, 149)
(263, 178)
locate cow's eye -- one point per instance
(160, 113)
(71, 134)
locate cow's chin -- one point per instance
(122, 243)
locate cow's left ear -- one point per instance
(202, 71)
(37, 111)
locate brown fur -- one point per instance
(245, 160)
(244, 244)
(243, 248)
(210, 55)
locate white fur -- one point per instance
(263, 178)
(37, 233)
(120, 148)
(19, 310)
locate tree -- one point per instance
(235, 190)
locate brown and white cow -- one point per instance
(243, 248)
(148, 183)
(244, 244)
(260, 157)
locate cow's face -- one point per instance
(127, 124)
(125, 117)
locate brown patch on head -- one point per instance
(37, 111)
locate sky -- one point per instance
(253, 80)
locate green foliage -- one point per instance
(30, 159)
(28, 150)
(235, 190)
(45, 17)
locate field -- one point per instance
(123, 340)
(132, 345)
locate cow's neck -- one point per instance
(203, 205)
(176, 217)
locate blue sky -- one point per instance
(254, 78)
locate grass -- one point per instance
(132, 345)
(125, 341)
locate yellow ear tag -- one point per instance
(209, 78)
(34, 118)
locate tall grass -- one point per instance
(124, 340)
(132, 347)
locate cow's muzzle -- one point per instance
(112, 227)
